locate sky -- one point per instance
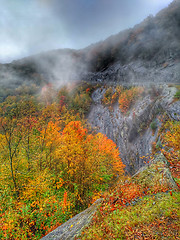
(28, 27)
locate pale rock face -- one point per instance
(137, 72)
(132, 133)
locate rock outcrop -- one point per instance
(156, 173)
(137, 72)
(73, 226)
(132, 132)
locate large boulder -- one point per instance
(73, 226)
(156, 174)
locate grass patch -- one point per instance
(153, 217)
(177, 95)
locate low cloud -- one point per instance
(29, 27)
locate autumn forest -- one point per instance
(54, 164)
(94, 128)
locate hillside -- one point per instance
(55, 162)
(149, 52)
(144, 205)
(155, 40)
(89, 138)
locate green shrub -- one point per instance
(153, 125)
(177, 95)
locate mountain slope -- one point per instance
(149, 52)
(154, 40)
(53, 165)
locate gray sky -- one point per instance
(31, 26)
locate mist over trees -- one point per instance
(54, 164)
(154, 41)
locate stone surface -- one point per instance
(174, 111)
(74, 226)
(132, 132)
(137, 72)
(156, 173)
(128, 132)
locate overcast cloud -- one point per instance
(31, 26)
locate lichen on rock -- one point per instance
(75, 225)
(156, 174)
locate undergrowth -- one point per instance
(143, 207)
(152, 217)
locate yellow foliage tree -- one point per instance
(85, 160)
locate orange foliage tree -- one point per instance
(50, 166)
(171, 140)
(85, 160)
(128, 97)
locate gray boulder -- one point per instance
(74, 226)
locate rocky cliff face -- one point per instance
(138, 72)
(132, 132)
